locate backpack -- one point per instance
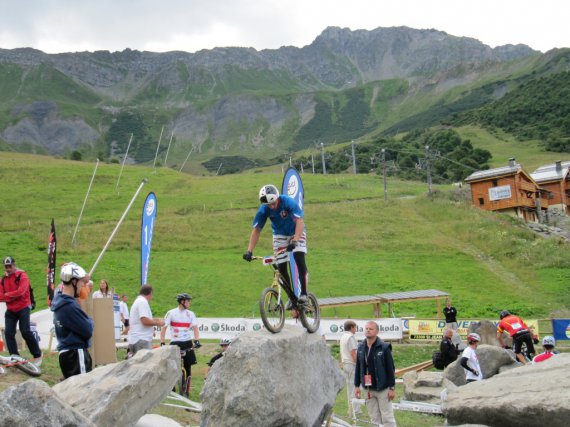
(437, 359)
(32, 298)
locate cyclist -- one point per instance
(288, 233)
(548, 343)
(470, 360)
(183, 325)
(73, 328)
(519, 332)
(15, 292)
(224, 343)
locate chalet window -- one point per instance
(495, 183)
(481, 201)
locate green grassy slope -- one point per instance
(358, 244)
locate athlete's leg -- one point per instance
(302, 267)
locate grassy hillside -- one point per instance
(358, 243)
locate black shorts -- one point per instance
(523, 337)
(126, 323)
(75, 362)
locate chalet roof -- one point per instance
(550, 173)
(491, 173)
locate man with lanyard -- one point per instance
(376, 372)
(15, 292)
(288, 233)
(519, 332)
(183, 326)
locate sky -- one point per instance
(55, 26)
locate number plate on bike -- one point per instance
(267, 260)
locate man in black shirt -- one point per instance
(224, 343)
(450, 314)
(448, 350)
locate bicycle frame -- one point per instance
(279, 281)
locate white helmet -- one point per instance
(473, 337)
(71, 271)
(268, 194)
(548, 340)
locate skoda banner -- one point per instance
(293, 187)
(147, 229)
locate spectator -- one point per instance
(348, 348)
(15, 292)
(86, 290)
(448, 350)
(450, 314)
(548, 344)
(183, 326)
(104, 291)
(224, 343)
(288, 233)
(470, 360)
(519, 332)
(73, 328)
(375, 371)
(124, 310)
(142, 324)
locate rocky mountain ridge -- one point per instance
(234, 99)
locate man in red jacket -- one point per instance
(15, 292)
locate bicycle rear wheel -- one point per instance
(29, 368)
(310, 314)
(272, 310)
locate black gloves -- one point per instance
(161, 344)
(291, 246)
(248, 256)
(197, 344)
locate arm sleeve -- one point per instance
(260, 218)
(357, 371)
(293, 207)
(390, 368)
(79, 323)
(463, 363)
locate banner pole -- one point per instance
(144, 181)
(73, 239)
(124, 160)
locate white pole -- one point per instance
(73, 239)
(123, 165)
(144, 181)
(182, 167)
(157, 147)
(219, 169)
(168, 149)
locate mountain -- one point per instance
(242, 102)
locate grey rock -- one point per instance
(423, 386)
(285, 379)
(486, 330)
(34, 403)
(121, 393)
(532, 395)
(491, 359)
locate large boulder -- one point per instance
(530, 395)
(121, 393)
(491, 359)
(34, 403)
(423, 386)
(264, 379)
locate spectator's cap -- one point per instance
(548, 340)
(9, 261)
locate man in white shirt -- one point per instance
(124, 310)
(348, 348)
(470, 360)
(142, 323)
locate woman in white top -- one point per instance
(104, 291)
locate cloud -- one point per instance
(191, 25)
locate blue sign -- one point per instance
(147, 229)
(561, 329)
(293, 187)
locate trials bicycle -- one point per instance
(22, 364)
(272, 306)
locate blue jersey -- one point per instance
(282, 217)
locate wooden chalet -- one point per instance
(555, 179)
(508, 189)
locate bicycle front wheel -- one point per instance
(29, 368)
(272, 310)
(310, 314)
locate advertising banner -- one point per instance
(292, 186)
(147, 229)
(426, 329)
(218, 328)
(561, 329)
(51, 266)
